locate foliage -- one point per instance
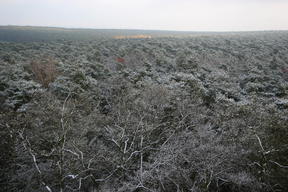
(205, 113)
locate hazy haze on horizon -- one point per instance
(182, 15)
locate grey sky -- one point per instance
(190, 15)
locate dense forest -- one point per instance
(175, 112)
(28, 33)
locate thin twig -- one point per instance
(282, 166)
(260, 143)
(34, 161)
(141, 158)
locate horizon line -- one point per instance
(138, 29)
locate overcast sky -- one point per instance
(188, 15)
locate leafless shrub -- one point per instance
(45, 70)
